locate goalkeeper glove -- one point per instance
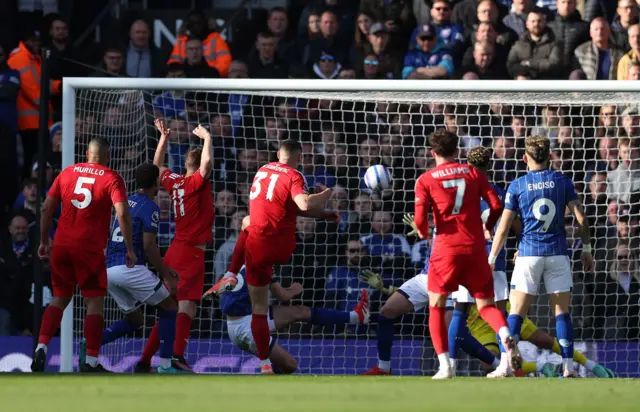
(375, 281)
(409, 220)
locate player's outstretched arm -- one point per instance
(124, 219)
(206, 160)
(48, 207)
(158, 157)
(422, 205)
(307, 202)
(286, 294)
(151, 251)
(576, 208)
(488, 193)
(500, 238)
(375, 281)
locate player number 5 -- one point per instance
(81, 190)
(546, 218)
(256, 188)
(461, 186)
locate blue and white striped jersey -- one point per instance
(501, 259)
(541, 197)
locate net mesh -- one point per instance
(343, 134)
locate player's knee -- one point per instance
(168, 304)
(389, 312)
(95, 306)
(60, 302)
(289, 366)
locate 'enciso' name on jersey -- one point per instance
(89, 170)
(541, 185)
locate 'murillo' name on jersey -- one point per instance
(145, 215)
(237, 302)
(541, 198)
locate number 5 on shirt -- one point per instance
(256, 188)
(80, 189)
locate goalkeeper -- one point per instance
(481, 343)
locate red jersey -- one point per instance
(192, 207)
(271, 207)
(453, 192)
(87, 192)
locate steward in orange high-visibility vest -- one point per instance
(26, 60)
(28, 63)
(215, 50)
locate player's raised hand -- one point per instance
(409, 220)
(588, 263)
(43, 251)
(162, 128)
(372, 279)
(201, 132)
(132, 259)
(295, 289)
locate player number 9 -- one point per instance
(546, 218)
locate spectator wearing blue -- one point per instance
(9, 89)
(342, 288)
(626, 16)
(427, 60)
(449, 35)
(171, 104)
(384, 242)
(598, 58)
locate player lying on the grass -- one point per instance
(236, 306)
(540, 198)
(132, 287)
(481, 342)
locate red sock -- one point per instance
(237, 259)
(438, 329)
(152, 345)
(93, 325)
(261, 335)
(51, 320)
(493, 317)
(183, 331)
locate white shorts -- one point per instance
(415, 290)
(529, 271)
(240, 333)
(133, 287)
(500, 287)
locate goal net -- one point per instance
(344, 127)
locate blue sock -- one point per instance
(166, 332)
(515, 325)
(329, 317)
(465, 341)
(457, 331)
(498, 338)
(385, 334)
(117, 330)
(564, 332)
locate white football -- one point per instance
(377, 178)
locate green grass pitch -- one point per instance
(123, 393)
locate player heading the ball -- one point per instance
(452, 191)
(192, 200)
(541, 198)
(87, 191)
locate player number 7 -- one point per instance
(256, 188)
(461, 186)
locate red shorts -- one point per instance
(261, 253)
(71, 266)
(188, 261)
(472, 271)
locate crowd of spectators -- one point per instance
(596, 144)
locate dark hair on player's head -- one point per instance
(147, 176)
(291, 146)
(444, 143)
(479, 157)
(537, 148)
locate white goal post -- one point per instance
(538, 94)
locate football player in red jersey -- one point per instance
(279, 193)
(452, 192)
(192, 199)
(87, 191)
